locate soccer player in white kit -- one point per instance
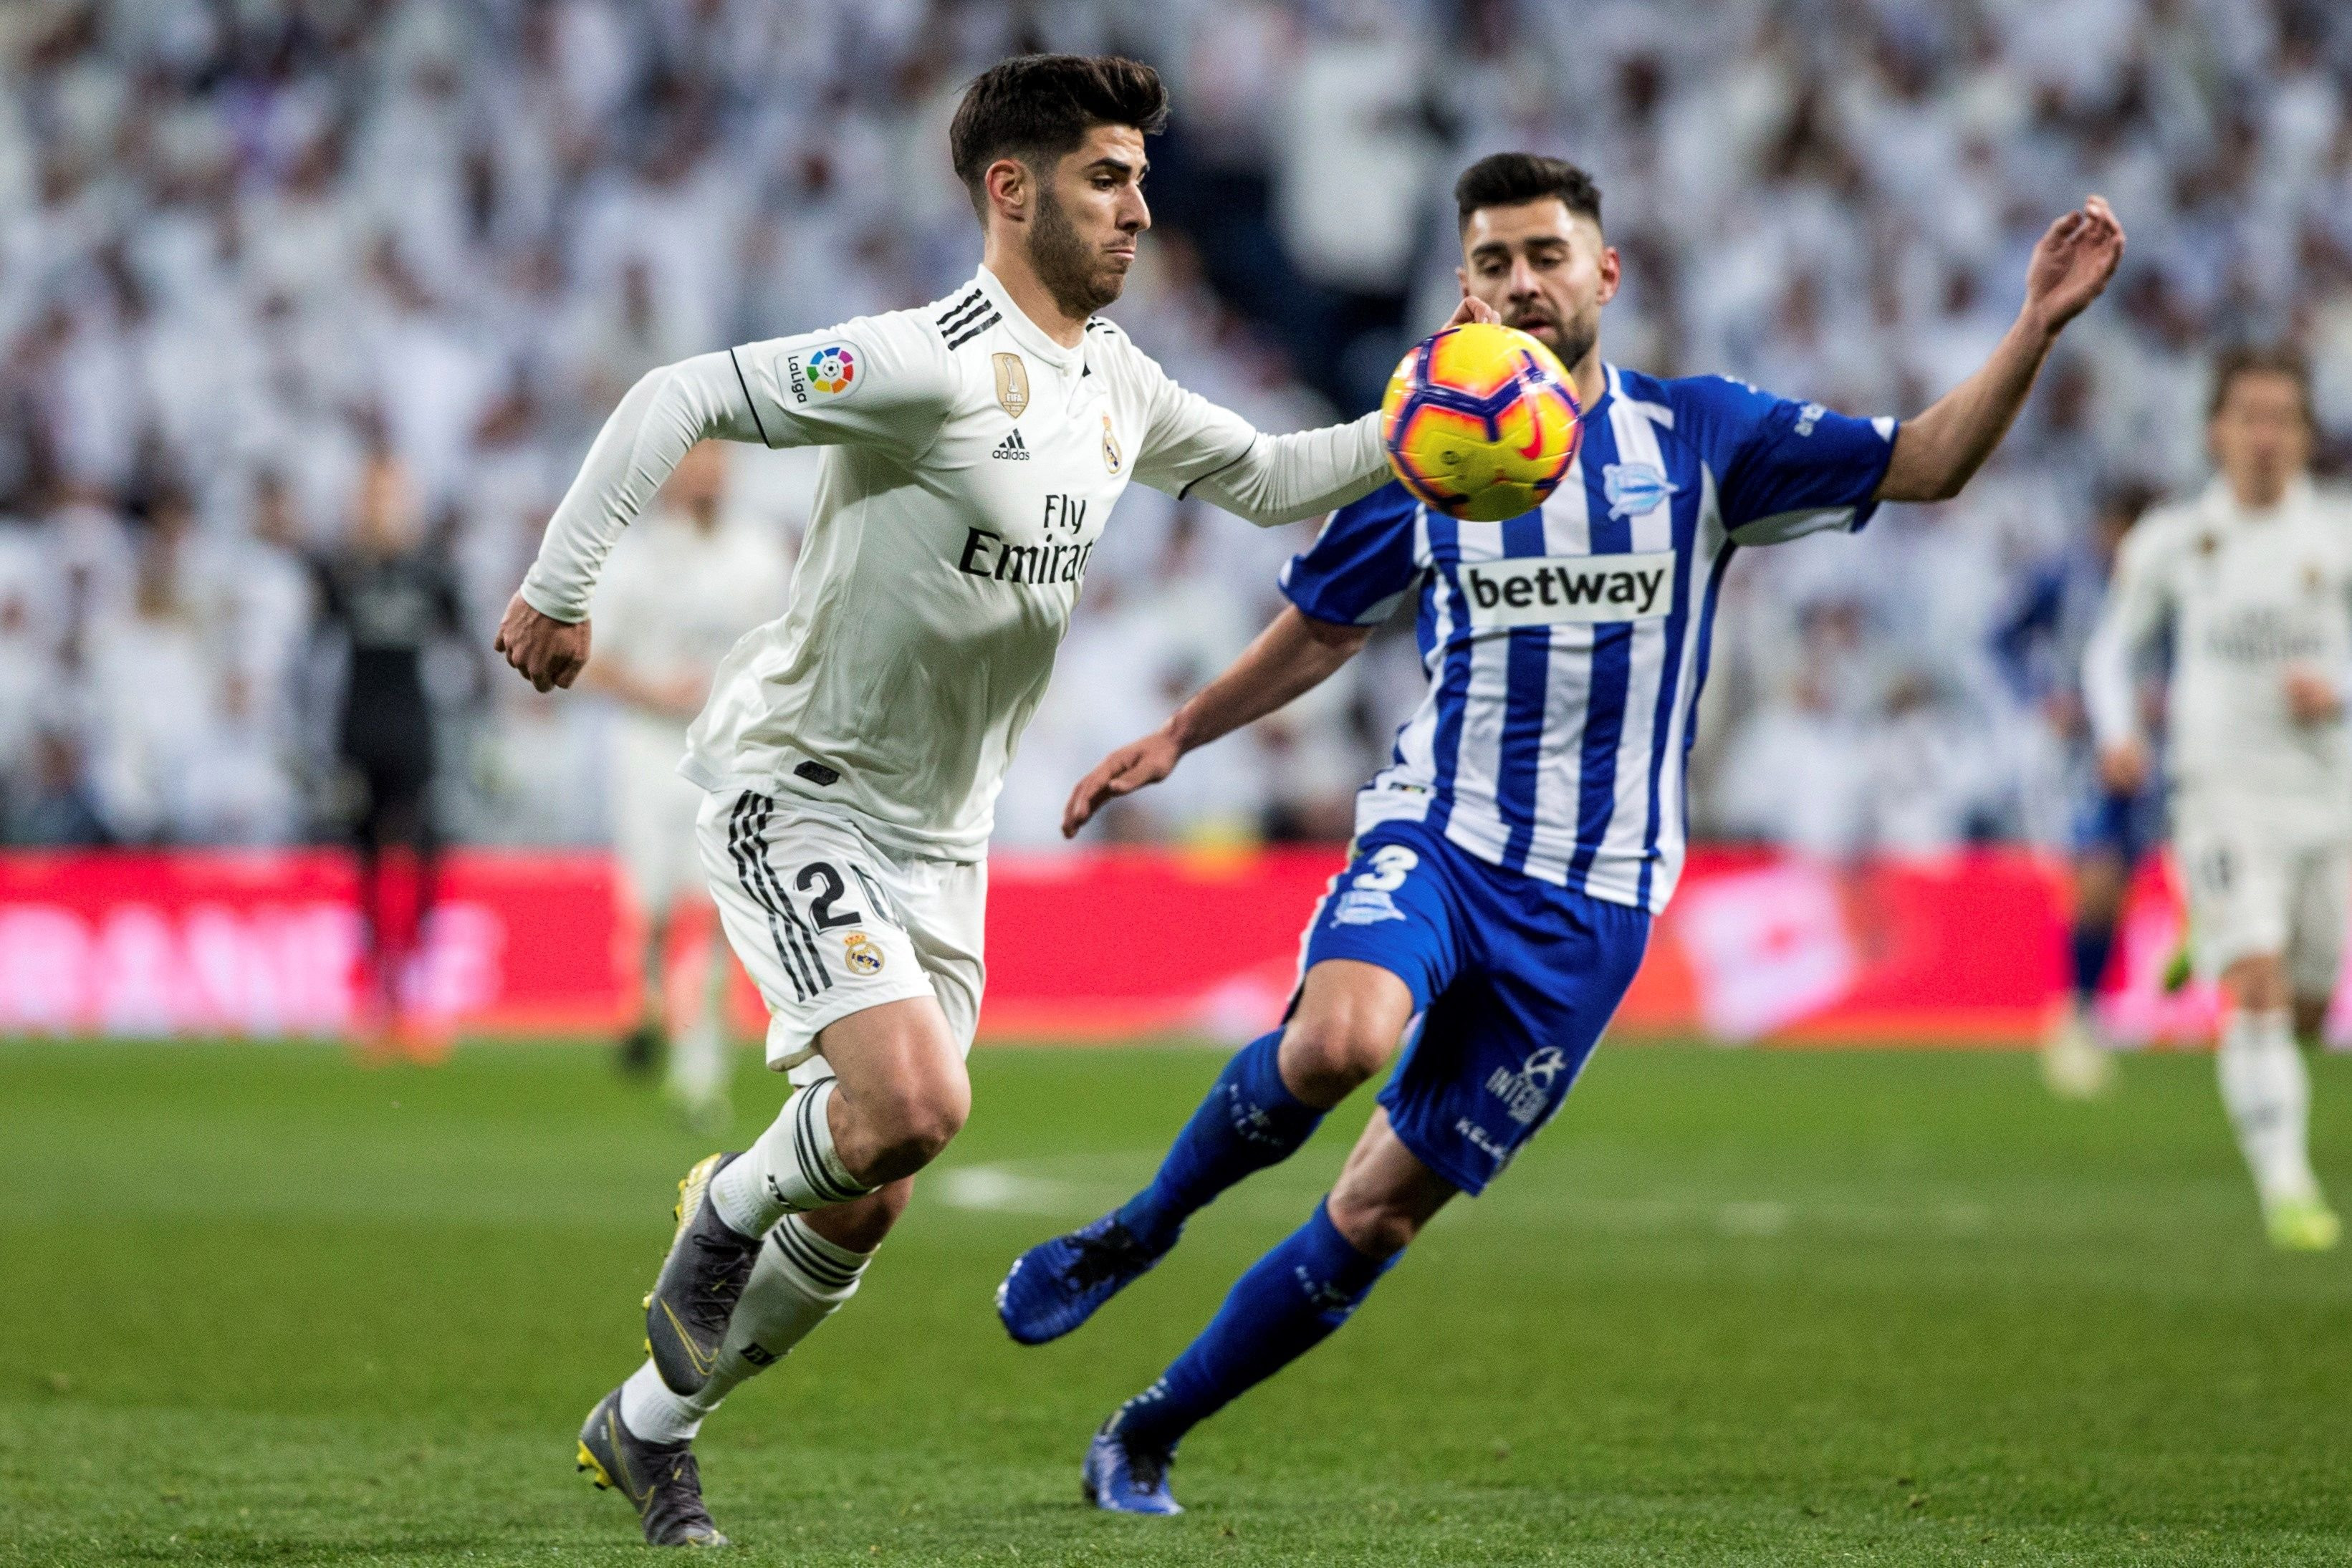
(681, 588)
(853, 747)
(2254, 575)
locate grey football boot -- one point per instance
(660, 1480)
(694, 1296)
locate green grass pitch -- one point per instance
(265, 1305)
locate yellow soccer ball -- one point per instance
(1480, 422)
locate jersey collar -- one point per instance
(2222, 502)
(1025, 332)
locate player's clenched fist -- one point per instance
(549, 653)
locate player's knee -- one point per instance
(2257, 982)
(909, 1122)
(1325, 1055)
(1377, 1225)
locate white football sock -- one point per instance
(799, 1280)
(2267, 1091)
(791, 1169)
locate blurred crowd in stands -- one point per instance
(273, 271)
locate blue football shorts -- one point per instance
(2124, 826)
(1513, 980)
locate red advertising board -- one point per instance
(1101, 946)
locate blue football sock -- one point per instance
(1250, 1120)
(1290, 1299)
(2093, 942)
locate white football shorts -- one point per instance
(827, 922)
(2258, 881)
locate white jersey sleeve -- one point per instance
(878, 381)
(1193, 448)
(883, 381)
(2137, 605)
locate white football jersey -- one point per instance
(972, 464)
(2249, 595)
(675, 598)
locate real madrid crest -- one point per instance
(2314, 580)
(860, 953)
(2208, 543)
(1011, 383)
(1110, 448)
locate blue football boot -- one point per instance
(1123, 1480)
(1056, 1285)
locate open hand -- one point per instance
(2312, 697)
(1123, 772)
(549, 653)
(2123, 767)
(2072, 262)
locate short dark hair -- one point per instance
(1037, 108)
(1515, 179)
(2261, 360)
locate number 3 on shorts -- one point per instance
(1365, 901)
(1391, 864)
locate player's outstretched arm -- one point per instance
(2135, 610)
(545, 633)
(1275, 479)
(1935, 453)
(1292, 655)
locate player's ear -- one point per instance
(1008, 184)
(1610, 270)
(1462, 280)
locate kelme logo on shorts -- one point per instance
(1545, 590)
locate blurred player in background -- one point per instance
(853, 747)
(681, 588)
(1507, 867)
(389, 595)
(2113, 831)
(2253, 576)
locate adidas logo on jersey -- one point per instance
(1010, 450)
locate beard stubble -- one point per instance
(1073, 272)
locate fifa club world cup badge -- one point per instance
(1012, 385)
(861, 954)
(1110, 448)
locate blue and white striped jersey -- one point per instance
(1566, 647)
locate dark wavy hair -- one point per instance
(1037, 108)
(1515, 179)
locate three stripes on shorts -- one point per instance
(796, 948)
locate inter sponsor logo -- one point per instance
(1543, 590)
(991, 555)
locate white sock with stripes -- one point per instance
(791, 1169)
(799, 1279)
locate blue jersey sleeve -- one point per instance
(1783, 468)
(1362, 562)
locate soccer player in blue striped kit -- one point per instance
(1508, 861)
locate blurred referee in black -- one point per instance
(387, 595)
